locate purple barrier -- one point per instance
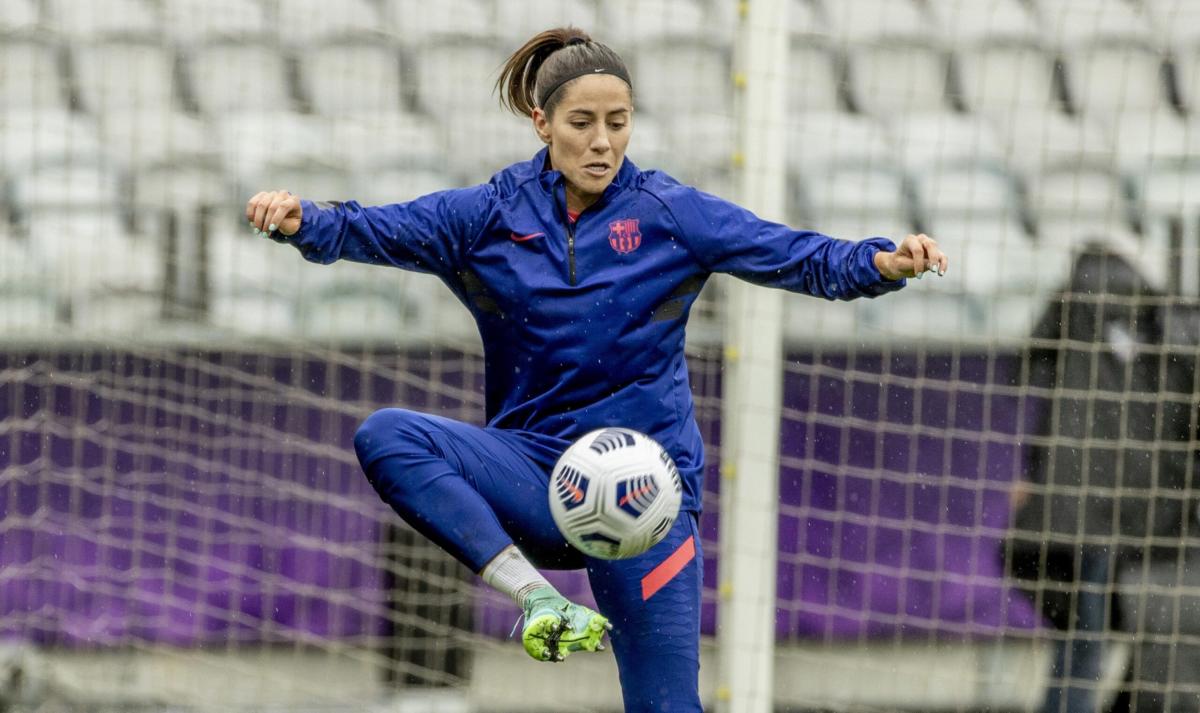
(193, 498)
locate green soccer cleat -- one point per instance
(555, 628)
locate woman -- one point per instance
(579, 270)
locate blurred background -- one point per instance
(979, 477)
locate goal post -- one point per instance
(753, 369)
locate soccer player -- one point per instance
(579, 269)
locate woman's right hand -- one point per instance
(271, 211)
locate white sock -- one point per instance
(511, 573)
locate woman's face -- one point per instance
(588, 134)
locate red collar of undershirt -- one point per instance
(573, 215)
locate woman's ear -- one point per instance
(541, 124)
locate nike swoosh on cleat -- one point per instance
(522, 238)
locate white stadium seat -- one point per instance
(355, 74)
(967, 192)
(46, 137)
(250, 140)
(421, 23)
(1187, 73)
(1004, 77)
(238, 76)
(307, 21)
(196, 22)
(518, 21)
(97, 18)
(1035, 140)
(964, 23)
(1109, 76)
(18, 16)
(364, 140)
(990, 255)
(29, 75)
(814, 75)
(867, 20)
(815, 139)
(683, 77)
(155, 135)
(927, 140)
(853, 201)
(641, 23)
(1068, 23)
(704, 141)
(172, 184)
(891, 75)
(125, 75)
(484, 143)
(1176, 23)
(459, 76)
(1145, 140)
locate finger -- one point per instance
(269, 218)
(943, 264)
(252, 205)
(917, 251)
(286, 206)
(260, 211)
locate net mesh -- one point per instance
(978, 474)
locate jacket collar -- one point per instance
(549, 178)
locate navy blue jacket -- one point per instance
(583, 324)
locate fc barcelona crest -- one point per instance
(623, 235)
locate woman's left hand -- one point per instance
(916, 255)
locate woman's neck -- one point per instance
(578, 202)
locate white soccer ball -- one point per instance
(615, 493)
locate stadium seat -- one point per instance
(931, 140)
(892, 75)
(851, 200)
(308, 21)
(815, 139)
(237, 76)
(683, 77)
(254, 282)
(46, 137)
(398, 185)
(1176, 23)
(1006, 77)
(181, 184)
(18, 16)
(352, 75)
(487, 142)
(815, 72)
(249, 141)
(651, 146)
(963, 23)
(459, 75)
(866, 20)
(1108, 76)
(1034, 140)
(254, 311)
(989, 256)
(809, 322)
(1144, 140)
(382, 312)
(1076, 203)
(967, 192)
(703, 142)
(518, 21)
(419, 23)
(154, 135)
(199, 22)
(387, 139)
(1068, 23)
(126, 75)
(29, 75)
(317, 180)
(1187, 75)
(1169, 196)
(98, 18)
(634, 24)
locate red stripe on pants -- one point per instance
(671, 566)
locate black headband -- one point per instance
(605, 67)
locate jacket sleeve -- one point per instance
(428, 234)
(727, 238)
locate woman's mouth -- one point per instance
(596, 170)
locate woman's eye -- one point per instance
(616, 127)
(579, 124)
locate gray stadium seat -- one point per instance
(642, 23)
(989, 255)
(1170, 194)
(306, 21)
(29, 75)
(1068, 23)
(683, 77)
(651, 146)
(249, 141)
(852, 201)
(126, 75)
(398, 185)
(962, 23)
(18, 16)
(967, 192)
(484, 143)
(1145, 140)
(198, 22)
(370, 140)
(459, 75)
(1073, 204)
(1109, 76)
(318, 180)
(98, 18)
(1187, 73)
(352, 75)
(928, 140)
(1005, 77)
(382, 313)
(421, 23)
(518, 21)
(1176, 23)
(238, 76)
(47, 136)
(703, 142)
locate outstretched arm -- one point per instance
(916, 255)
(429, 234)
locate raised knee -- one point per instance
(383, 430)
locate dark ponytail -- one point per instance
(535, 73)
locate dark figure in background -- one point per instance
(1109, 468)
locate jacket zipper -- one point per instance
(570, 227)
